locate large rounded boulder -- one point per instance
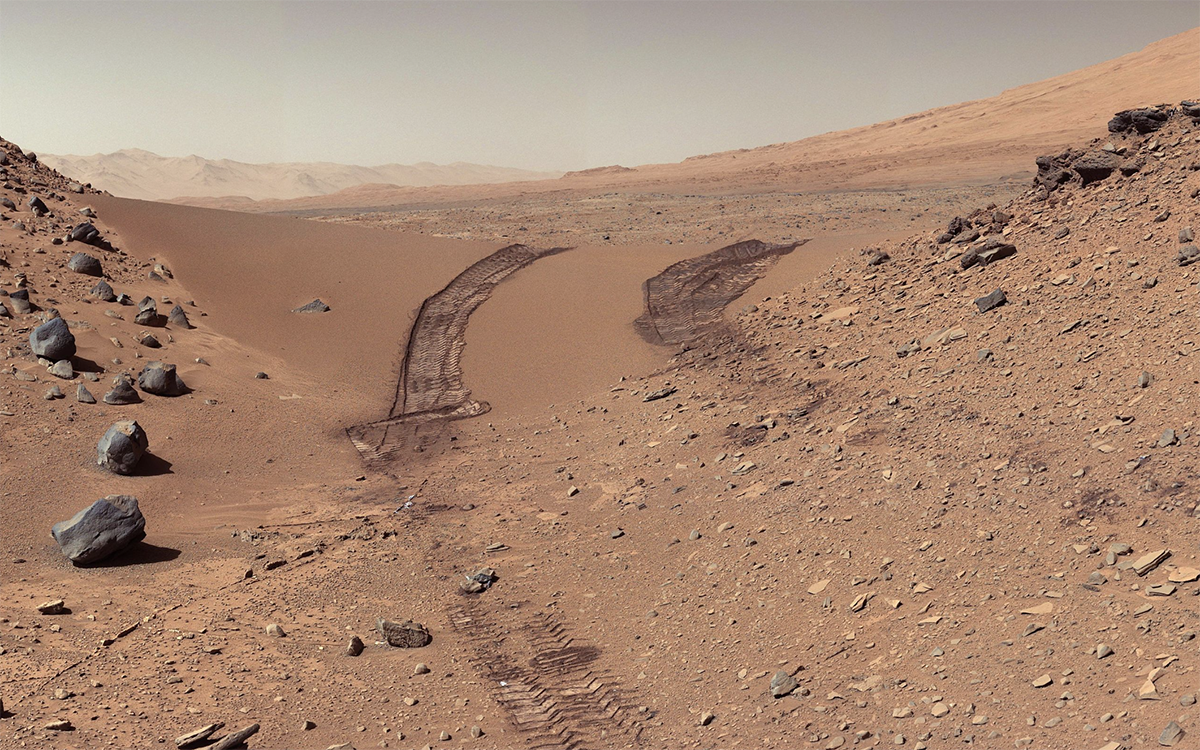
(103, 528)
(53, 340)
(122, 446)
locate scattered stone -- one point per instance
(307, 725)
(355, 646)
(1187, 255)
(261, 376)
(421, 668)
(237, 739)
(83, 395)
(316, 306)
(1144, 380)
(60, 725)
(161, 380)
(177, 317)
(1103, 651)
(148, 317)
(660, 393)
(479, 581)
(122, 392)
(122, 446)
(1171, 735)
(103, 291)
(62, 369)
(20, 302)
(53, 607)
(407, 634)
(54, 393)
(991, 301)
(52, 340)
(991, 251)
(1150, 561)
(38, 206)
(88, 235)
(103, 528)
(706, 718)
(1167, 438)
(1043, 681)
(275, 631)
(198, 736)
(782, 684)
(1186, 235)
(148, 340)
(85, 264)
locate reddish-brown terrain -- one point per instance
(701, 472)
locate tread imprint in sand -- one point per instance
(545, 680)
(687, 299)
(431, 379)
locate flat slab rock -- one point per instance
(316, 306)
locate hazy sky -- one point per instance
(550, 85)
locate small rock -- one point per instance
(421, 668)
(160, 379)
(54, 393)
(782, 684)
(83, 395)
(275, 631)
(177, 317)
(122, 447)
(236, 739)
(53, 607)
(407, 634)
(706, 718)
(122, 392)
(991, 301)
(85, 264)
(198, 736)
(316, 306)
(101, 529)
(1171, 735)
(355, 646)
(62, 369)
(52, 340)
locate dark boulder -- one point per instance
(1095, 166)
(85, 264)
(20, 302)
(103, 292)
(161, 380)
(52, 340)
(37, 206)
(1188, 254)
(103, 528)
(989, 252)
(1145, 120)
(122, 446)
(88, 235)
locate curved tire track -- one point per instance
(687, 299)
(431, 385)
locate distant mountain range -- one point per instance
(134, 173)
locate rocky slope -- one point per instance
(888, 507)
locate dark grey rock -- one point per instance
(83, 395)
(161, 380)
(88, 235)
(1095, 165)
(316, 306)
(20, 302)
(782, 684)
(122, 392)
(103, 528)
(148, 317)
(85, 264)
(990, 252)
(149, 340)
(103, 292)
(1188, 254)
(177, 317)
(53, 340)
(122, 446)
(991, 301)
(1144, 120)
(37, 206)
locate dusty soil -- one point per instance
(948, 527)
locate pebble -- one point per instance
(421, 668)
(275, 630)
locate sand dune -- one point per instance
(135, 173)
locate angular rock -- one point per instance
(1150, 561)
(103, 292)
(1144, 120)
(54, 393)
(406, 634)
(355, 646)
(160, 379)
(122, 392)
(1095, 165)
(85, 264)
(83, 395)
(198, 736)
(38, 206)
(148, 317)
(148, 340)
(782, 684)
(991, 301)
(316, 306)
(103, 528)
(53, 340)
(1187, 255)
(20, 302)
(177, 317)
(236, 739)
(990, 252)
(62, 369)
(53, 607)
(122, 446)
(88, 235)
(1171, 735)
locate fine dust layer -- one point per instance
(687, 299)
(431, 379)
